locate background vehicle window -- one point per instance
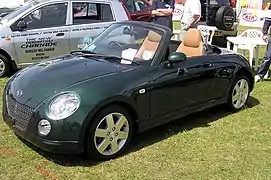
(85, 13)
(135, 5)
(140, 5)
(46, 16)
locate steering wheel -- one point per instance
(114, 44)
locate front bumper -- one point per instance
(31, 135)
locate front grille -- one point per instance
(19, 112)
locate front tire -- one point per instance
(239, 93)
(5, 66)
(109, 134)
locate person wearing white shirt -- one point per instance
(191, 15)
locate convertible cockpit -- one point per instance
(193, 45)
(140, 44)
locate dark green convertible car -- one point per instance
(131, 78)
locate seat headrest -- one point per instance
(193, 38)
(154, 37)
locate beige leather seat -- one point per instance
(149, 46)
(192, 44)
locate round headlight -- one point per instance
(44, 127)
(63, 106)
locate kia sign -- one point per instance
(253, 17)
(249, 17)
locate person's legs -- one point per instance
(265, 64)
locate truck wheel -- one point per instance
(224, 18)
(5, 66)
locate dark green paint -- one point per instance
(187, 85)
(176, 57)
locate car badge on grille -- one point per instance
(19, 93)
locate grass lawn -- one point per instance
(213, 144)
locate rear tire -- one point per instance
(109, 134)
(239, 93)
(5, 66)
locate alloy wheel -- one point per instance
(240, 93)
(2, 66)
(111, 134)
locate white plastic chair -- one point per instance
(176, 34)
(251, 34)
(207, 32)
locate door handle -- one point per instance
(60, 34)
(208, 64)
(181, 71)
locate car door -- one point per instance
(181, 86)
(138, 10)
(89, 19)
(46, 34)
(223, 76)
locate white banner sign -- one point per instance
(253, 17)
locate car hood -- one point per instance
(47, 78)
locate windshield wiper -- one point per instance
(87, 54)
(82, 52)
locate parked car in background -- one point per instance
(5, 11)
(222, 15)
(44, 29)
(138, 9)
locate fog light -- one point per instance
(44, 127)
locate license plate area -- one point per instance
(217, 33)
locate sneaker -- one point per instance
(258, 78)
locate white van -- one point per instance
(42, 29)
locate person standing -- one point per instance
(191, 15)
(267, 56)
(162, 12)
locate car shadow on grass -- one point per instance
(195, 120)
(152, 136)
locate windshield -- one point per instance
(18, 11)
(130, 42)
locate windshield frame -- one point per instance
(159, 55)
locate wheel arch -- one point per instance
(239, 72)
(122, 101)
(3, 52)
(246, 72)
(8, 56)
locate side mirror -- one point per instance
(21, 25)
(176, 57)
